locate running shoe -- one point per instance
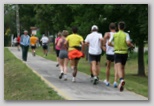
(61, 75)
(121, 85)
(73, 79)
(115, 84)
(95, 81)
(91, 79)
(65, 77)
(106, 82)
(57, 65)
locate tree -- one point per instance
(27, 16)
(9, 23)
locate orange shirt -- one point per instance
(33, 40)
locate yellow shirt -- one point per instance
(74, 40)
(33, 40)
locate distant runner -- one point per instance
(45, 41)
(33, 41)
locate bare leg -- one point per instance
(75, 67)
(65, 65)
(61, 62)
(121, 75)
(93, 63)
(97, 68)
(108, 70)
(115, 73)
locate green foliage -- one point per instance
(52, 18)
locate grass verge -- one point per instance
(20, 83)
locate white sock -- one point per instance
(95, 77)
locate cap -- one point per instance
(94, 27)
(25, 31)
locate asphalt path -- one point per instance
(82, 89)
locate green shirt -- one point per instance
(120, 45)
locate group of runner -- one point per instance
(72, 47)
(115, 44)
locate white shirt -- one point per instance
(109, 49)
(15, 40)
(94, 40)
(44, 39)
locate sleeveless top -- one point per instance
(109, 49)
(120, 45)
(62, 46)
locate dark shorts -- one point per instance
(110, 57)
(121, 58)
(96, 58)
(33, 46)
(45, 46)
(18, 43)
(57, 52)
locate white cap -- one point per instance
(25, 31)
(94, 27)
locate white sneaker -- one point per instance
(121, 85)
(65, 77)
(106, 82)
(73, 79)
(115, 84)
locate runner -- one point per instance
(121, 42)
(57, 48)
(63, 55)
(18, 42)
(33, 41)
(74, 42)
(94, 40)
(45, 41)
(109, 54)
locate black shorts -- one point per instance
(96, 58)
(45, 46)
(18, 43)
(57, 52)
(120, 58)
(33, 46)
(110, 57)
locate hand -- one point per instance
(104, 48)
(83, 55)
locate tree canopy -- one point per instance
(52, 18)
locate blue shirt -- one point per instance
(25, 40)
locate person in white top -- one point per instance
(45, 41)
(109, 54)
(95, 40)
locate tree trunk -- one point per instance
(141, 67)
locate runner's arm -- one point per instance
(104, 41)
(110, 41)
(128, 41)
(59, 42)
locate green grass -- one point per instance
(20, 83)
(134, 83)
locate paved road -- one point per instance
(83, 89)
